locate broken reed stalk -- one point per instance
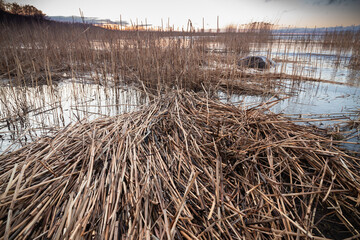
(184, 167)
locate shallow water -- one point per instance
(45, 109)
(310, 60)
(312, 98)
(314, 101)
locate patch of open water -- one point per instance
(314, 101)
(31, 112)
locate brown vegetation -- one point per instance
(184, 167)
(38, 53)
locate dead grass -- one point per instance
(184, 167)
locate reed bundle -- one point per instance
(183, 167)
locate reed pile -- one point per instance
(183, 167)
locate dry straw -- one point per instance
(184, 167)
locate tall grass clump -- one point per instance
(343, 41)
(42, 53)
(238, 39)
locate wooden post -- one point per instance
(203, 28)
(120, 23)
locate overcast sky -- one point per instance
(299, 13)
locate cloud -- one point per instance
(339, 1)
(324, 2)
(334, 2)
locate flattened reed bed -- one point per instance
(184, 167)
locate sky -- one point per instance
(294, 13)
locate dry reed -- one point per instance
(184, 167)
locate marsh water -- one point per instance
(46, 109)
(27, 113)
(338, 90)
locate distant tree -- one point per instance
(27, 10)
(31, 11)
(6, 6)
(15, 8)
(2, 5)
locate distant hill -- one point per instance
(317, 30)
(15, 20)
(88, 20)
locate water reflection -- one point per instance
(30, 112)
(310, 60)
(313, 100)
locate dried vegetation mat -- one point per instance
(183, 167)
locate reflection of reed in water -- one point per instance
(47, 109)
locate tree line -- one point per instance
(26, 10)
